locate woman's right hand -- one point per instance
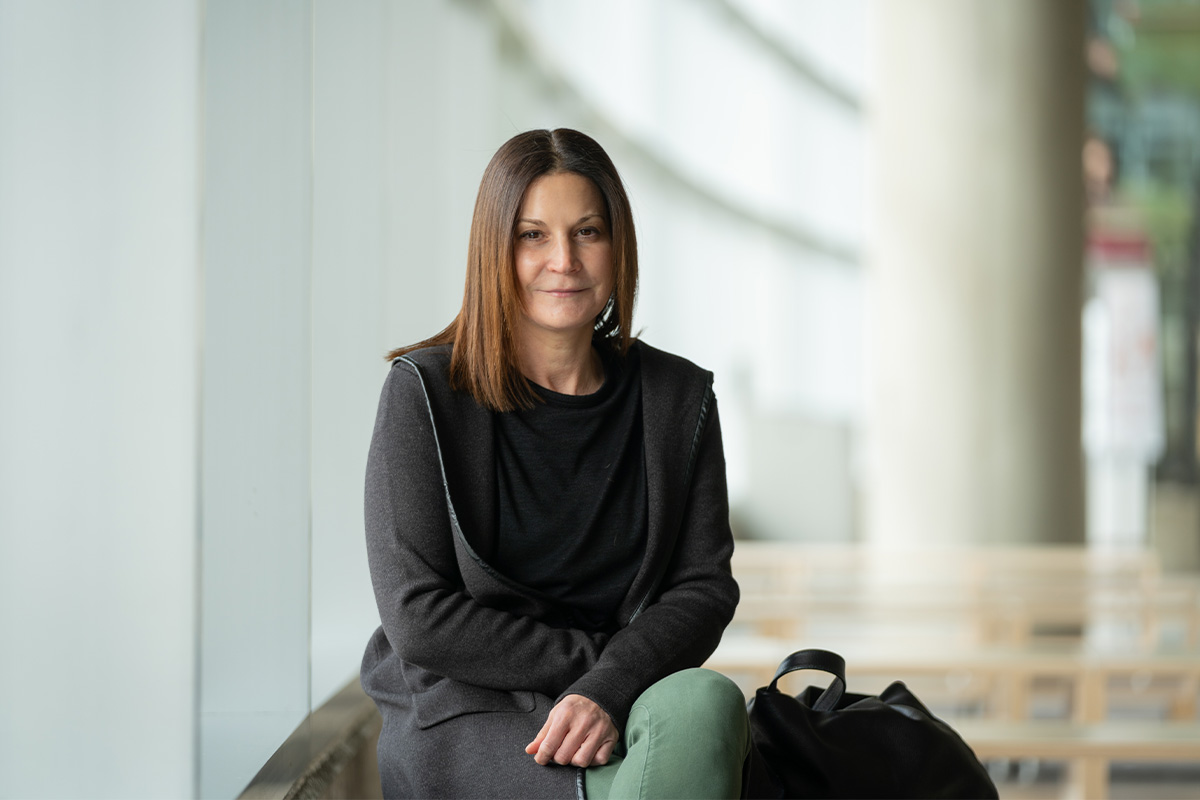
(578, 732)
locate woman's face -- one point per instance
(563, 255)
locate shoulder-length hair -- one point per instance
(484, 360)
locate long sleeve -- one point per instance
(428, 617)
(683, 625)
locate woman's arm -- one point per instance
(429, 619)
(683, 626)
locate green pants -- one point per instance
(687, 737)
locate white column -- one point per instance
(256, 414)
(974, 410)
(99, 376)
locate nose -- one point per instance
(562, 257)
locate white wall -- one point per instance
(99, 223)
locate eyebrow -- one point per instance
(584, 218)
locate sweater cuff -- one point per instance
(604, 688)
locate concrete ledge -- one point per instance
(330, 755)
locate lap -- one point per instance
(472, 755)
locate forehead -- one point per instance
(566, 192)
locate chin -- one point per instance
(565, 326)
(565, 323)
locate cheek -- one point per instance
(607, 271)
(525, 271)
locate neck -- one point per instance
(567, 365)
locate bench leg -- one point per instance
(1089, 778)
(1090, 701)
(1183, 705)
(1017, 695)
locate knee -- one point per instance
(696, 711)
(701, 698)
(724, 696)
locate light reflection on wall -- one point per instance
(742, 142)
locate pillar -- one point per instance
(975, 265)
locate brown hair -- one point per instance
(484, 360)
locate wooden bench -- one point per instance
(988, 625)
(1001, 679)
(783, 566)
(1088, 748)
(982, 595)
(1148, 615)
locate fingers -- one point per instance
(577, 731)
(604, 753)
(575, 749)
(533, 746)
(545, 746)
(589, 753)
(554, 742)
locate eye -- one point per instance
(531, 235)
(589, 232)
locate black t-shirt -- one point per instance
(571, 478)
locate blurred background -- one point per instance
(942, 255)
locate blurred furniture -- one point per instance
(974, 595)
(993, 682)
(1062, 653)
(1089, 749)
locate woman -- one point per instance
(547, 522)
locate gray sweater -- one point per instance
(467, 664)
